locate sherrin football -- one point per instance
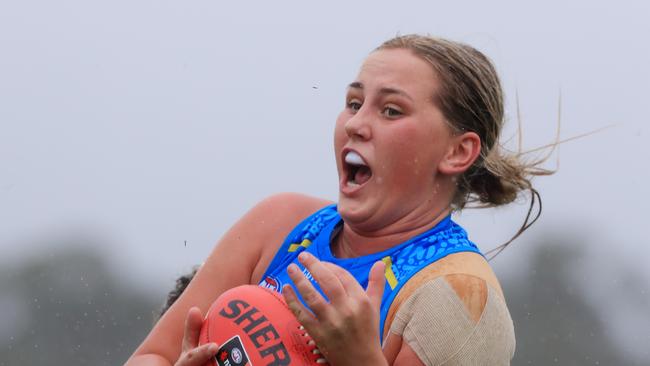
(253, 326)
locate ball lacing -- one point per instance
(310, 342)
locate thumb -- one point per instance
(193, 323)
(376, 283)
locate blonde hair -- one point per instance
(471, 99)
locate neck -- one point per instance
(351, 242)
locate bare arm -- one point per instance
(240, 257)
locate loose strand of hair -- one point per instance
(534, 197)
(556, 143)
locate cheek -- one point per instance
(416, 154)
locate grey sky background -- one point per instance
(140, 125)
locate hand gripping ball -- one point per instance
(253, 326)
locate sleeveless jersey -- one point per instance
(402, 261)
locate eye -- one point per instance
(391, 112)
(353, 105)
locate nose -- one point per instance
(358, 127)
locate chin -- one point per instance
(352, 211)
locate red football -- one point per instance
(253, 326)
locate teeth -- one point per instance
(354, 159)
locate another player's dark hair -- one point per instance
(174, 294)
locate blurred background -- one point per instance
(133, 134)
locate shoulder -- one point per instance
(267, 224)
(275, 216)
(455, 313)
(292, 206)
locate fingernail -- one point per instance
(292, 268)
(213, 348)
(303, 256)
(287, 292)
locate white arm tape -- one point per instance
(436, 325)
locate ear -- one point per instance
(463, 151)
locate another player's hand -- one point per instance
(346, 329)
(192, 354)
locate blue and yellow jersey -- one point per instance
(402, 261)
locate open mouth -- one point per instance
(357, 171)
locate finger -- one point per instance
(350, 284)
(193, 323)
(326, 279)
(310, 295)
(198, 356)
(304, 316)
(376, 283)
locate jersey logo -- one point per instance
(271, 283)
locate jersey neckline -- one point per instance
(323, 243)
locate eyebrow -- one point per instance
(385, 90)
